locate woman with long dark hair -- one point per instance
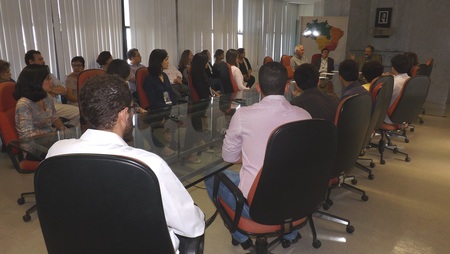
(35, 109)
(156, 84)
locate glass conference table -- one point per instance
(187, 136)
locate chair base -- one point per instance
(29, 211)
(336, 219)
(371, 176)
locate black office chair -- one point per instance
(404, 110)
(381, 90)
(352, 121)
(289, 187)
(101, 204)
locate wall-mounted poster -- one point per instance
(383, 17)
(318, 32)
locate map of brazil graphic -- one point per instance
(324, 34)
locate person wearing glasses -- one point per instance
(106, 102)
(71, 80)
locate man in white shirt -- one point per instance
(109, 116)
(135, 63)
(400, 68)
(246, 138)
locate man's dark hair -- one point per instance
(324, 50)
(272, 78)
(349, 70)
(103, 57)
(371, 70)
(102, 98)
(231, 56)
(155, 61)
(131, 53)
(30, 55)
(218, 53)
(400, 63)
(29, 83)
(306, 76)
(413, 60)
(78, 59)
(241, 50)
(119, 67)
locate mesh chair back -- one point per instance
(409, 103)
(352, 121)
(100, 204)
(140, 76)
(314, 57)
(293, 179)
(7, 100)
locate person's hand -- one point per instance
(178, 80)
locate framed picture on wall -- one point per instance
(383, 17)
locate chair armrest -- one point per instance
(190, 245)
(232, 223)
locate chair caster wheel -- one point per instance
(234, 242)
(21, 201)
(327, 204)
(411, 130)
(406, 140)
(372, 164)
(389, 143)
(421, 121)
(364, 197)
(316, 244)
(354, 181)
(285, 243)
(407, 159)
(371, 176)
(382, 162)
(350, 229)
(26, 218)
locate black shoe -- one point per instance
(245, 245)
(287, 243)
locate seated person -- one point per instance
(199, 78)
(5, 72)
(109, 116)
(246, 138)
(156, 84)
(370, 71)
(219, 55)
(176, 82)
(267, 59)
(231, 58)
(185, 61)
(319, 104)
(71, 80)
(69, 112)
(324, 64)
(35, 110)
(212, 72)
(348, 75)
(135, 59)
(103, 59)
(366, 57)
(399, 67)
(245, 67)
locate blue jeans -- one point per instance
(228, 198)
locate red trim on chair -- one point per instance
(140, 75)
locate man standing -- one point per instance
(246, 138)
(319, 104)
(298, 58)
(69, 112)
(106, 103)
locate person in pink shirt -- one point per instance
(246, 138)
